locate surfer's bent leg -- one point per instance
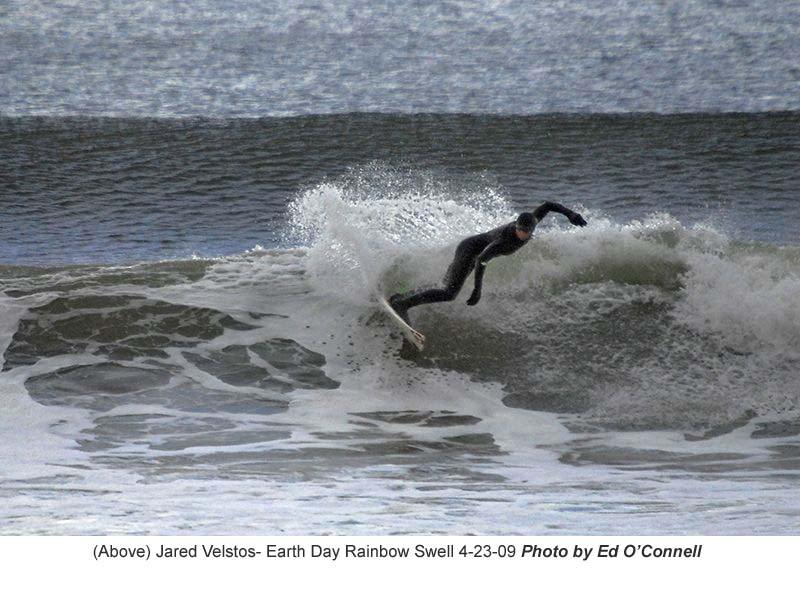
(457, 274)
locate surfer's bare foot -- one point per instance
(397, 307)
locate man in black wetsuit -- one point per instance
(474, 252)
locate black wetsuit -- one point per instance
(473, 253)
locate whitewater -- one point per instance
(628, 377)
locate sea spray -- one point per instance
(380, 219)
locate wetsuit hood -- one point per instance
(526, 222)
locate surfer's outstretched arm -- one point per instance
(574, 218)
(492, 250)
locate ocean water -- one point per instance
(254, 58)
(193, 237)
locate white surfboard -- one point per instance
(411, 334)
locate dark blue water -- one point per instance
(120, 190)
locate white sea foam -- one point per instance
(379, 220)
(725, 317)
(661, 329)
(750, 297)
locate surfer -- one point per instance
(474, 252)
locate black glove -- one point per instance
(576, 219)
(475, 297)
